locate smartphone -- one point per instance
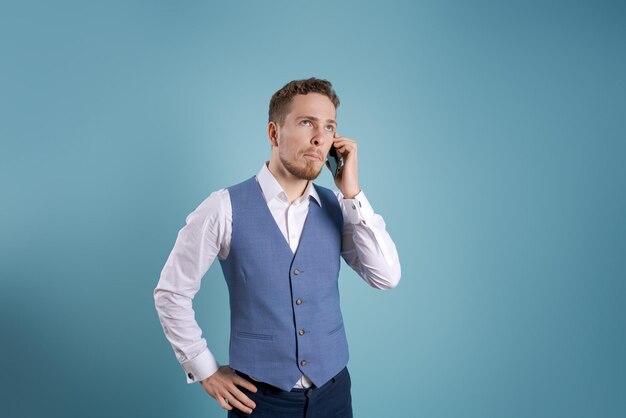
(335, 161)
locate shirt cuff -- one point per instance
(200, 367)
(357, 210)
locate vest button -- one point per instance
(303, 363)
(298, 301)
(301, 332)
(296, 272)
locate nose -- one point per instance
(320, 136)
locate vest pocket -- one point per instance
(334, 330)
(254, 336)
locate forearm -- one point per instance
(184, 334)
(367, 247)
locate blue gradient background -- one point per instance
(491, 139)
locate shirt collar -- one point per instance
(272, 189)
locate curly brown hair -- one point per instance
(279, 104)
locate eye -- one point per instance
(306, 121)
(330, 128)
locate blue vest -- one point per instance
(285, 317)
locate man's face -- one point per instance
(307, 135)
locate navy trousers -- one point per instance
(332, 400)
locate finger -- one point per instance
(237, 404)
(245, 383)
(344, 145)
(343, 140)
(241, 397)
(223, 403)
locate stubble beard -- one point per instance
(307, 172)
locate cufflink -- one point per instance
(189, 375)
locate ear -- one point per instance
(272, 133)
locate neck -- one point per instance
(293, 186)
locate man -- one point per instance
(279, 239)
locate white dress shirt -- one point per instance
(366, 247)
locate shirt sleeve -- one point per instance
(366, 245)
(206, 235)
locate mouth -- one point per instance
(312, 156)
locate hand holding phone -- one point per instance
(342, 163)
(335, 161)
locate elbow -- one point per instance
(392, 278)
(157, 299)
(385, 280)
(160, 299)
(388, 277)
(392, 283)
